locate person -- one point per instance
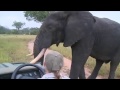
(53, 63)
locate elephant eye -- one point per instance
(50, 27)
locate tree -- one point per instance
(25, 31)
(14, 31)
(18, 25)
(37, 16)
(34, 31)
(4, 30)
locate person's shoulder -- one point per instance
(48, 76)
(65, 77)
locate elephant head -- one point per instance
(65, 27)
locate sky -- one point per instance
(8, 17)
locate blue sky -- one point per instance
(8, 17)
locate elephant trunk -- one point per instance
(40, 46)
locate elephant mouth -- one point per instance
(39, 56)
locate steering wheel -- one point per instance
(41, 71)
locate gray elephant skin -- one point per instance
(87, 35)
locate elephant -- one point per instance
(87, 35)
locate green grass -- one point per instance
(13, 48)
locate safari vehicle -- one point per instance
(21, 71)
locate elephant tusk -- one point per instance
(30, 54)
(39, 56)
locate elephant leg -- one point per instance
(82, 73)
(95, 72)
(80, 53)
(114, 64)
(76, 66)
(113, 67)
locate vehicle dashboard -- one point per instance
(6, 70)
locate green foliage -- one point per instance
(26, 31)
(18, 25)
(4, 30)
(34, 31)
(29, 31)
(38, 16)
(14, 31)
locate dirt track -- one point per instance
(67, 62)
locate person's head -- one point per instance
(53, 62)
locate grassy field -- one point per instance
(13, 48)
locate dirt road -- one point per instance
(67, 63)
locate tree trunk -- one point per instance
(18, 30)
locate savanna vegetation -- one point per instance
(13, 48)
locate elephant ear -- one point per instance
(77, 27)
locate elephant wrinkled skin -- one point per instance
(87, 35)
